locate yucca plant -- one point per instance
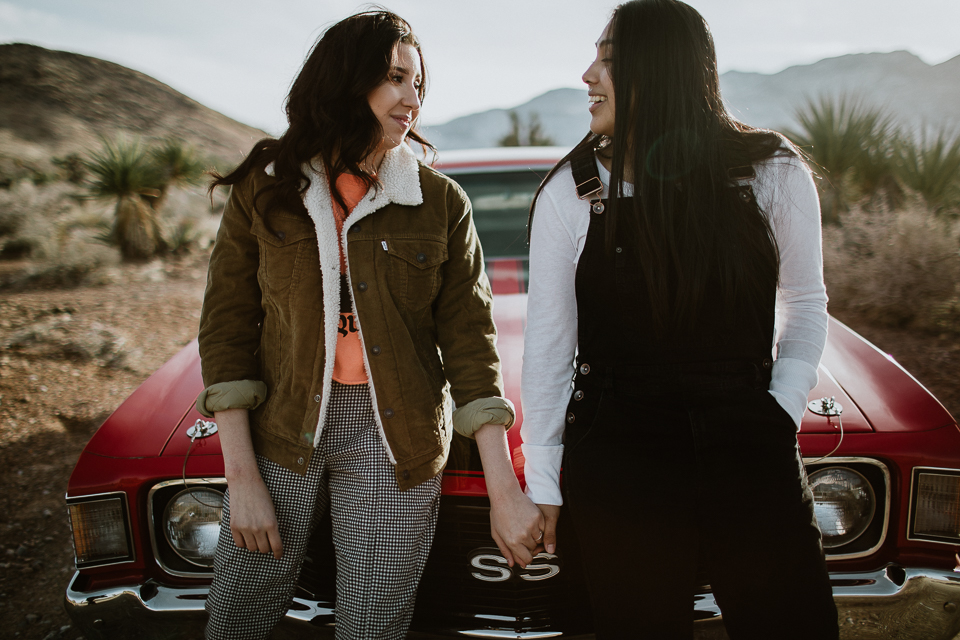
(123, 170)
(177, 164)
(931, 167)
(852, 146)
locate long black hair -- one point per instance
(690, 224)
(328, 112)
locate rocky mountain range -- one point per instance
(915, 94)
(53, 103)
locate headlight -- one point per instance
(936, 505)
(844, 503)
(192, 524)
(101, 529)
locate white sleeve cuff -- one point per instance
(541, 471)
(791, 383)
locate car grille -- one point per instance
(450, 597)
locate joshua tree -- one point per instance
(529, 135)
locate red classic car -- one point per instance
(883, 457)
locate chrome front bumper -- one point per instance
(920, 604)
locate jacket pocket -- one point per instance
(284, 251)
(414, 273)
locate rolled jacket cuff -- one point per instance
(238, 394)
(471, 416)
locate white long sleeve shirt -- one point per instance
(784, 190)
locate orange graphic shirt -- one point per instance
(348, 363)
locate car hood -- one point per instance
(876, 394)
(145, 422)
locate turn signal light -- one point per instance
(935, 505)
(101, 529)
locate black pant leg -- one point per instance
(763, 552)
(629, 486)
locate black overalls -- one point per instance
(677, 460)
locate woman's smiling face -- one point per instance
(600, 86)
(396, 101)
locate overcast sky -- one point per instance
(239, 56)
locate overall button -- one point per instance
(362, 286)
(578, 395)
(767, 363)
(388, 413)
(584, 369)
(316, 398)
(421, 258)
(300, 461)
(375, 350)
(571, 418)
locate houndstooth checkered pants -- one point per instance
(382, 536)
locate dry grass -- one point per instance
(895, 267)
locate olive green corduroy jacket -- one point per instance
(423, 303)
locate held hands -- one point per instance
(517, 527)
(516, 524)
(551, 513)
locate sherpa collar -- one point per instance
(399, 177)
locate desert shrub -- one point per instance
(72, 166)
(61, 337)
(895, 266)
(57, 229)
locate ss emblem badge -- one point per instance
(490, 566)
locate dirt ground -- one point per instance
(69, 357)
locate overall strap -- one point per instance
(586, 177)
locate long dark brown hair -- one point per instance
(689, 222)
(328, 112)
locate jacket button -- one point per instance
(375, 350)
(388, 413)
(571, 418)
(405, 474)
(584, 369)
(578, 395)
(300, 461)
(767, 363)
(316, 398)
(281, 235)
(362, 286)
(421, 258)
(354, 228)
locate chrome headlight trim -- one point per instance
(841, 461)
(911, 513)
(126, 521)
(152, 517)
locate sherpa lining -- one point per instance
(399, 184)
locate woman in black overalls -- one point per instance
(676, 253)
